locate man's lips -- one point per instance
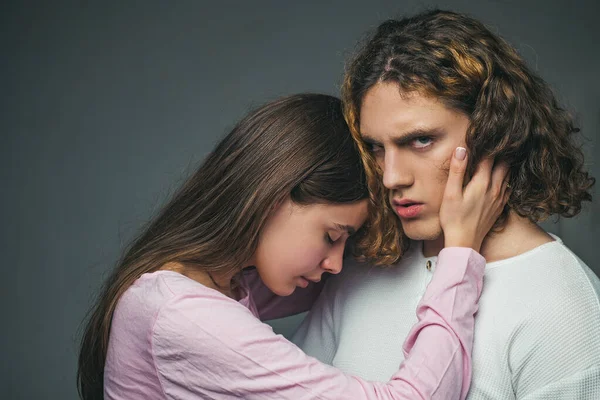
(405, 201)
(407, 208)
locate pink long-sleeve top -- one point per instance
(173, 338)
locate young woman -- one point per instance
(248, 238)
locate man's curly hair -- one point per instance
(514, 117)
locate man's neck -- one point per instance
(433, 247)
(518, 236)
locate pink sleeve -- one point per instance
(272, 306)
(211, 346)
(447, 311)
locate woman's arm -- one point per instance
(215, 348)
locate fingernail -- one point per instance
(460, 153)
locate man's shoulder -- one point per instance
(550, 279)
(552, 261)
(541, 308)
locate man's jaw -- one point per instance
(426, 230)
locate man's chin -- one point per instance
(419, 230)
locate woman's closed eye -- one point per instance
(331, 239)
(328, 239)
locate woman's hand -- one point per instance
(467, 214)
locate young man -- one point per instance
(418, 89)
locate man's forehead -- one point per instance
(386, 114)
(385, 103)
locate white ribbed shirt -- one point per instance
(537, 332)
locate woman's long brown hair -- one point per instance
(297, 146)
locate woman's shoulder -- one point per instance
(144, 300)
(180, 303)
(153, 291)
(202, 322)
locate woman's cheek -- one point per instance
(305, 259)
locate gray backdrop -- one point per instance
(106, 107)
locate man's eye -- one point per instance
(375, 148)
(422, 142)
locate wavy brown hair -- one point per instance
(297, 147)
(514, 116)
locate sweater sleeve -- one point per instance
(209, 346)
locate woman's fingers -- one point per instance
(482, 176)
(466, 216)
(497, 193)
(499, 181)
(456, 174)
(506, 190)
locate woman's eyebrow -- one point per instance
(348, 228)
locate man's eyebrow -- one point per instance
(348, 228)
(368, 139)
(406, 137)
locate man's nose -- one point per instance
(396, 173)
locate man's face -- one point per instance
(412, 138)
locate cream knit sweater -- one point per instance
(537, 332)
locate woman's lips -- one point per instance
(303, 282)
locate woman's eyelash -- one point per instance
(329, 239)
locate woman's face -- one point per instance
(299, 243)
